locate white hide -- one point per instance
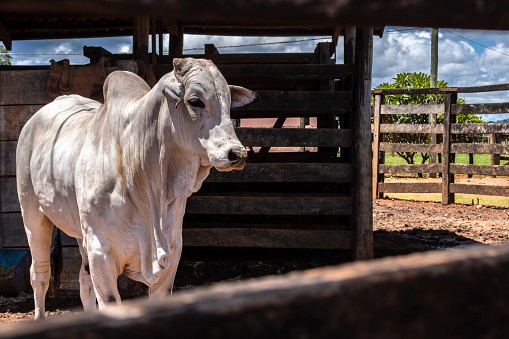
(116, 176)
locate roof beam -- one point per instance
(5, 37)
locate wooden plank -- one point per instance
(254, 172)
(448, 157)
(482, 128)
(501, 191)
(13, 118)
(362, 156)
(419, 187)
(8, 158)
(5, 37)
(25, 87)
(411, 168)
(411, 128)
(294, 137)
(267, 238)
(376, 143)
(299, 101)
(480, 169)
(9, 197)
(486, 88)
(413, 109)
(269, 205)
(248, 58)
(300, 72)
(496, 108)
(14, 235)
(480, 148)
(419, 148)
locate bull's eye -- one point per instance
(195, 102)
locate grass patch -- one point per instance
(465, 199)
(479, 159)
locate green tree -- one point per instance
(419, 80)
(5, 58)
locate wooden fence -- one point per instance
(450, 146)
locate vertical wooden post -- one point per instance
(448, 157)
(361, 125)
(140, 38)
(495, 158)
(376, 141)
(161, 40)
(153, 33)
(177, 42)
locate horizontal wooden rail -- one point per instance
(501, 191)
(285, 173)
(442, 90)
(300, 72)
(269, 205)
(480, 169)
(413, 109)
(410, 168)
(479, 128)
(269, 238)
(294, 137)
(411, 128)
(246, 58)
(419, 187)
(390, 147)
(297, 102)
(12, 119)
(496, 108)
(480, 148)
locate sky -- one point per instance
(465, 57)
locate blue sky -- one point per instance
(462, 60)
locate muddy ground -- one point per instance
(400, 227)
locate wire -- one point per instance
(403, 30)
(474, 42)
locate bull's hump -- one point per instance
(122, 85)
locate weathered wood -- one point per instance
(268, 238)
(447, 176)
(496, 108)
(501, 191)
(494, 170)
(18, 93)
(418, 187)
(254, 172)
(247, 58)
(370, 298)
(419, 148)
(413, 109)
(5, 37)
(480, 128)
(141, 31)
(411, 128)
(486, 88)
(9, 197)
(294, 137)
(362, 167)
(411, 168)
(376, 143)
(7, 158)
(480, 148)
(13, 232)
(269, 205)
(299, 102)
(299, 72)
(176, 43)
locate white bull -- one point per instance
(117, 176)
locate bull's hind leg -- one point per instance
(39, 230)
(87, 293)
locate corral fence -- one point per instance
(449, 129)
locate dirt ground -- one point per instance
(400, 227)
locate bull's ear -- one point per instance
(242, 96)
(173, 90)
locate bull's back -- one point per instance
(48, 149)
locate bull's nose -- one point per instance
(236, 155)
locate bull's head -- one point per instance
(203, 100)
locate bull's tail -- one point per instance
(56, 261)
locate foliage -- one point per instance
(5, 59)
(419, 80)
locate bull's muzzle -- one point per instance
(237, 156)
